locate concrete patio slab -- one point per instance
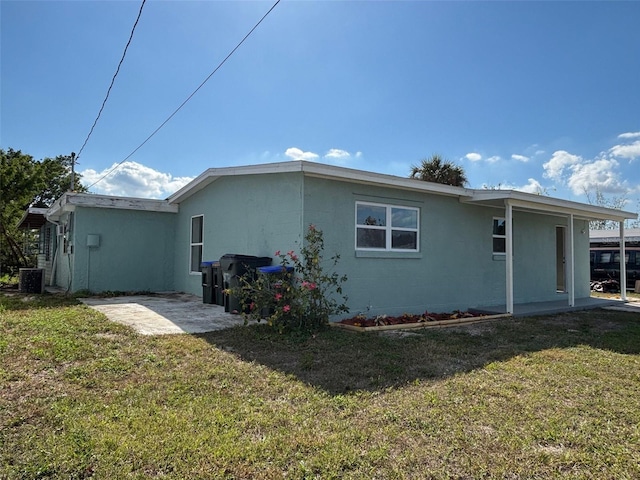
(164, 314)
(553, 307)
(633, 307)
(176, 313)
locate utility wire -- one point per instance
(104, 102)
(188, 98)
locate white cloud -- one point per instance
(533, 186)
(629, 135)
(358, 154)
(599, 174)
(337, 154)
(520, 158)
(132, 179)
(631, 151)
(560, 159)
(473, 157)
(494, 159)
(296, 154)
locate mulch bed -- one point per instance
(425, 320)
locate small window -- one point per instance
(196, 243)
(499, 236)
(386, 227)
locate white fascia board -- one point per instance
(319, 170)
(212, 174)
(70, 201)
(381, 179)
(551, 205)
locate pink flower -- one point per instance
(309, 285)
(312, 227)
(286, 308)
(278, 296)
(252, 306)
(277, 254)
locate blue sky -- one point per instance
(540, 96)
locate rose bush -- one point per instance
(301, 295)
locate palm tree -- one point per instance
(437, 170)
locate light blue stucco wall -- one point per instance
(259, 214)
(135, 251)
(248, 215)
(581, 258)
(455, 268)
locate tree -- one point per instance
(437, 170)
(598, 198)
(25, 182)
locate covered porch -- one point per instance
(566, 212)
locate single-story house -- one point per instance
(611, 238)
(406, 245)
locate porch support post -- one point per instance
(571, 277)
(508, 220)
(623, 265)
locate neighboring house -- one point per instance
(605, 256)
(405, 245)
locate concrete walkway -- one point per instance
(164, 313)
(172, 313)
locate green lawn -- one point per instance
(541, 397)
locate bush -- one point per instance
(302, 296)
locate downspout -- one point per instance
(623, 265)
(508, 220)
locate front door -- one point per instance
(561, 274)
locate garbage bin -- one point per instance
(31, 280)
(218, 296)
(208, 281)
(276, 274)
(233, 266)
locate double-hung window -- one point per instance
(387, 227)
(195, 257)
(499, 236)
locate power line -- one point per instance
(112, 80)
(188, 98)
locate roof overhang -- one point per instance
(542, 204)
(33, 218)
(488, 198)
(319, 170)
(70, 201)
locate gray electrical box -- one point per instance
(93, 240)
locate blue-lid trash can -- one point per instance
(233, 266)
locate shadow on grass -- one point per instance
(338, 361)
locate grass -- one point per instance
(540, 397)
(631, 296)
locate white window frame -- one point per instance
(495, 235)
(388, 227)
(196, 244)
